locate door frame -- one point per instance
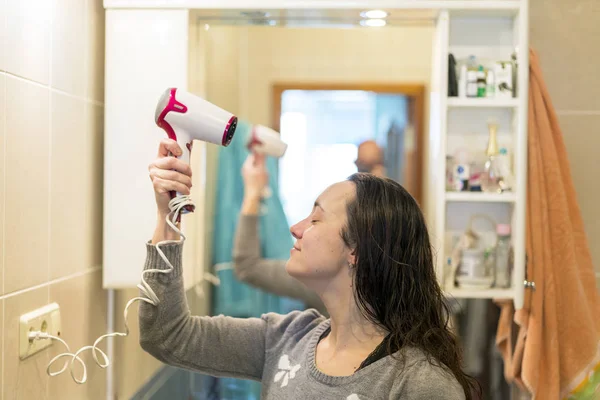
(415, 93)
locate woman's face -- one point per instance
(319, 251)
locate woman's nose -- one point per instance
(298, 229)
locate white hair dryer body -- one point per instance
(186, 117)
(266, 141)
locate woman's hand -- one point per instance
(167, 174)
(256, 176)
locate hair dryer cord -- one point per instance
(176, 205)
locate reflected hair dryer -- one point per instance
(186, 117)
(266, 141)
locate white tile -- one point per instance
(28, 39)
(68, 43)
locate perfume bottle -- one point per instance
(492, 180)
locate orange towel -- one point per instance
(557, 353)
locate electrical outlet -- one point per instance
(45, 319)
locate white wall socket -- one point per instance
(45, 319)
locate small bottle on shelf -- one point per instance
(461, 171)
(472, 77)
(503, 250)
(481, 82)
(489, 80)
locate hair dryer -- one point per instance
(186, 117)
(266, 141)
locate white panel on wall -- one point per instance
(146, 52)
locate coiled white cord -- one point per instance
(176, 205)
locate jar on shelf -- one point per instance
(477, 266)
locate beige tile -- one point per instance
(3, 37)
(582, 139)
(28, 39)
(68, 41)
(82, 322)
(2, 191)
(27, 179)
(95, 50)
(565, 34)
(68, 197)
(133, 366)
(1, 347)
(94, 183)
(23, 379)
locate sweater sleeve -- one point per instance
(268, 275)
(219, 346)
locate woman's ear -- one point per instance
(352, 259)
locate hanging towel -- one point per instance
(233, 297)
(556, 355)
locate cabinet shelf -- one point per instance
(456, 102)
(492, 293)
(481, 197)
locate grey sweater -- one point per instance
(266, 274)
(278, 350)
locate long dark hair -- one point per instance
(395, 285)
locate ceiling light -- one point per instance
(255, 14)
(377, 14)
(373, 22)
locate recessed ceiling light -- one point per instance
(255, 14)
(378, 14)
(373, 22)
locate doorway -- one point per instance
(323, 124)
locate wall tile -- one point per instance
(68, 197)
(579, 132)
(94, 183)
(2, 188)
(23, 379)
(28, 39)
(68, 41)
(27, 180)
(1, 347)
(3, 37)
(565, 35)
(95, 50)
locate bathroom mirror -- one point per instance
(327, 83)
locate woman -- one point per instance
(365, 250)
(249, 266)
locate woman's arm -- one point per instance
(248, 264)
(265, 274)
(219, 346)
(214, 345)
